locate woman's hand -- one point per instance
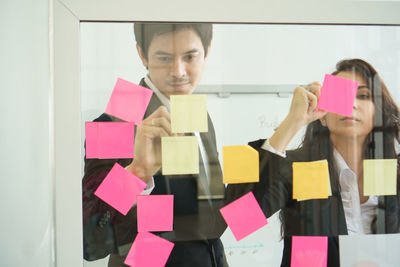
(147, 155)
(303, 111)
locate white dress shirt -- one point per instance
(358, 216)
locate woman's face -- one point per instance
(361, 123)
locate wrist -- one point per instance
(138, 171)
(295, 124)
(285, 133)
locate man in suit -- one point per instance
(175, 56)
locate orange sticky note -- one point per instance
(240, 164)
(311, 180)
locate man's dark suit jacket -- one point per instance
(197, 222)
(317, 217)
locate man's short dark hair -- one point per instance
(144, 33)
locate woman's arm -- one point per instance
(275, 186)
(303, 110)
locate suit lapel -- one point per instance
(214, 183)
(216, 187)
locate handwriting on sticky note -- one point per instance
(244, 216)
(180, 155)
(309, 251)
(128, 101)
(241, 164)
(155, 213)
(120, 188)
(109, 140)
(189, 113)
(149, 250)
(380, 177)
(311, 180)
(338, 95)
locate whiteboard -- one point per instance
(236, 125)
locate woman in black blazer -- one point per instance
(370, 133)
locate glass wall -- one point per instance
(249, 79)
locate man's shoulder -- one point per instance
(104, 117)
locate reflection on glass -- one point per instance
(259, 85)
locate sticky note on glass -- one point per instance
(180, 155)
(128, 101)
(189, 113)
(338, 95)
(380, 177)
(309, 251)
(369, 250)
(120, 188)
(241, 164)
(244, 216)
(311, 180)
(149, 250)
(155, 213)
(109, 140)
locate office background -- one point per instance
(28, 184)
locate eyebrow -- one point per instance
(194, 50)
(162, 53)
(362, 87)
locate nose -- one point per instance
(178, 69)
(355, 104)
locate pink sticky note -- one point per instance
(244, 216)
(309, 251)
(128, 101)
(149, 250)
(109, 140)
(155, 213)
(120, 188)
(338, 95)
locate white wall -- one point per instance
(26, 224)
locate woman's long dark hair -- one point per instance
(379, 143)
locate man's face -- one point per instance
(175, 62)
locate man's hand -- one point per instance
(147, 155)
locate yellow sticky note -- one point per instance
(380, 177)
(329, 187)
(180, 155)
(311, 180)
(189, 113)
(240, 164)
